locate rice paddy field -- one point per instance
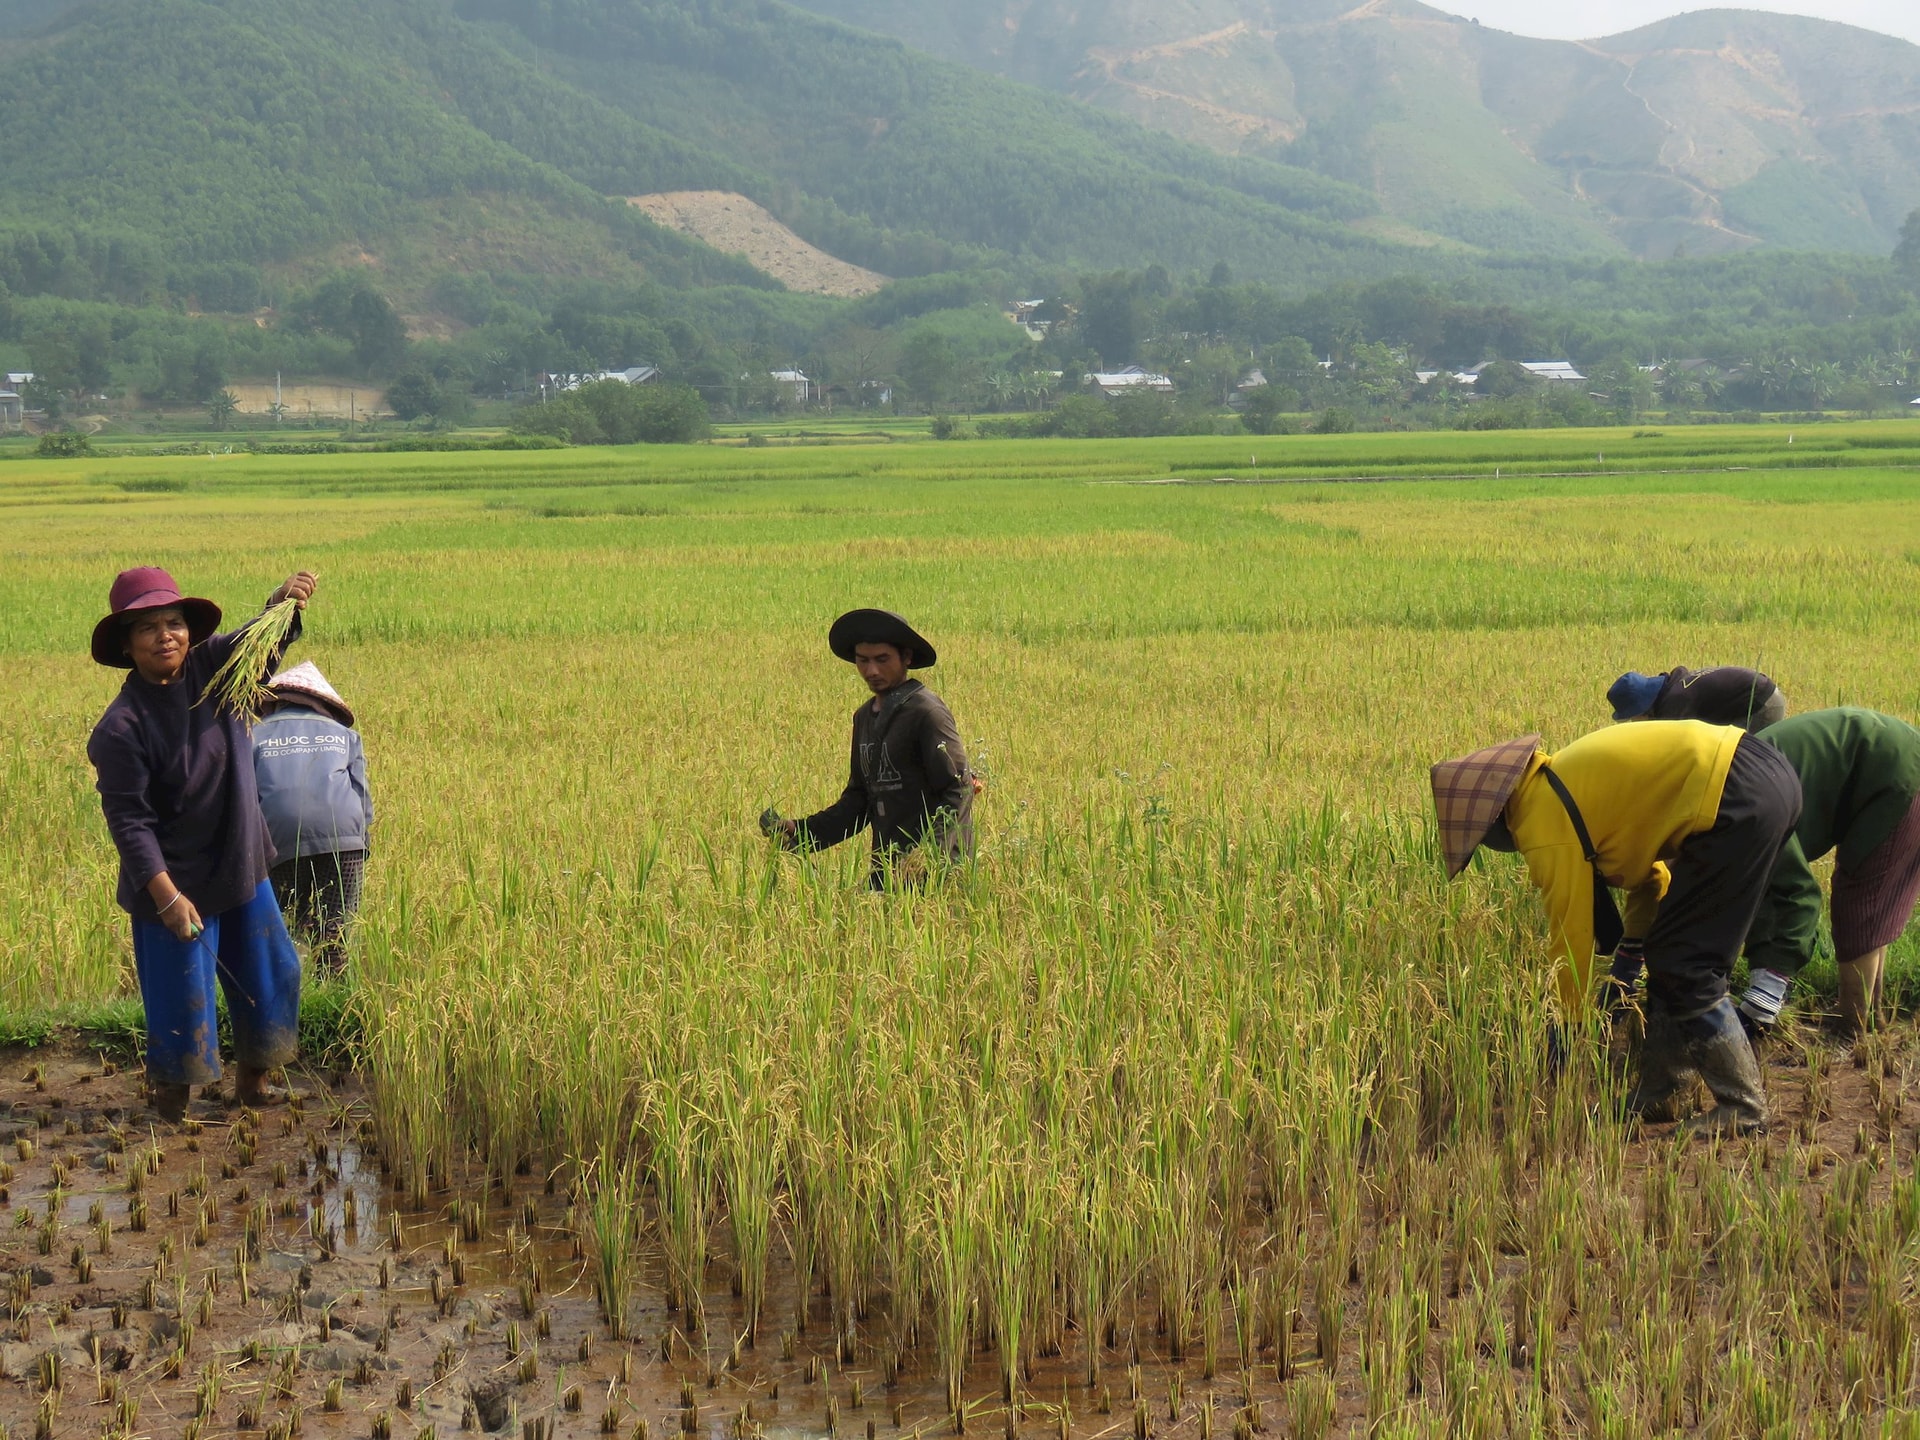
(1198, 1105)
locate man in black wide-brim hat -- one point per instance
(909, 778)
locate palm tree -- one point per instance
(1821, 381)
(221, 408)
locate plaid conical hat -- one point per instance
(306, 679)
(1469, 794)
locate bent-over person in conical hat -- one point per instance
(1860, 774)
(175, 774)
(1724, 695)
(313, 792)
(908, 777)
(1688, 818)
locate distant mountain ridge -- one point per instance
(1712, 131)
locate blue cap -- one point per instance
(1633, 694)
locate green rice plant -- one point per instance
(953, 1226)
(751, 1145)
(684, 1177)
(613, 1218)
(1312, 1401)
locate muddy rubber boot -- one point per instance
(169, 1101)
(1664, 1092)
(1860, 986)
(1717, 1046)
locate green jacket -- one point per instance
(1859, 771)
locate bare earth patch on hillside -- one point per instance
(738, 226)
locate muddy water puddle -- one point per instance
(262, 1277)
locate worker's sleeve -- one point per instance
(1565, 881)
(943, 760)
(1643, 902)
(846, 816)
(122, 778)
(1784, 932)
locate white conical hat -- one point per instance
(306, 679)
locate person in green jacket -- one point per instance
(1860, 772)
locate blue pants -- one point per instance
(247, 950)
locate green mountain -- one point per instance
(1713, 131)
(181, 148)
(211, 150)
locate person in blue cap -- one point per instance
(1724, 695)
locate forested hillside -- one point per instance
(1712, 131)
(177, 146)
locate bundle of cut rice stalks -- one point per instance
(241, 683)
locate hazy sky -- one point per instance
(1584, 19)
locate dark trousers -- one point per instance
(1718, 879)
(320, 895)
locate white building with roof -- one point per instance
(796, 386)
(1130, 380)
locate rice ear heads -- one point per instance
(241, 684)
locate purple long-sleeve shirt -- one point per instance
(176, 783)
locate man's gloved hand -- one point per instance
(1623, 976)
(1766, 997)
(775, 828)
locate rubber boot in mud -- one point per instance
(1718, 1048)
(1665, 1090)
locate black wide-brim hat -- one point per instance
(879, 627)
(147, 587)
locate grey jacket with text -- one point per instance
(312, 776)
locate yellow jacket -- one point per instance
(1642, 788)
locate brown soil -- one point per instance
(390, 1300)
(738, 226)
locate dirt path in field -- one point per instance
(264, 1275)
(737, 225)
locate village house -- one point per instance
(558, 383)
(796, 386)
(1129, 381)
(1557, 372)
(12, 410)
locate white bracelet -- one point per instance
(177, 893)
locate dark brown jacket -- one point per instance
(908, 779)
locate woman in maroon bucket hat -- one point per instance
(176, 782)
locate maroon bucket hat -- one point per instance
(147, 587)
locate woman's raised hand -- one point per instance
(298, 586)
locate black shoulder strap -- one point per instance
(1573, 814)
(1608, 928)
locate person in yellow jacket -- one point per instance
(1688, 818)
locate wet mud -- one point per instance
(254, 1274)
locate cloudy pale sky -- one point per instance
(1584, 19)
